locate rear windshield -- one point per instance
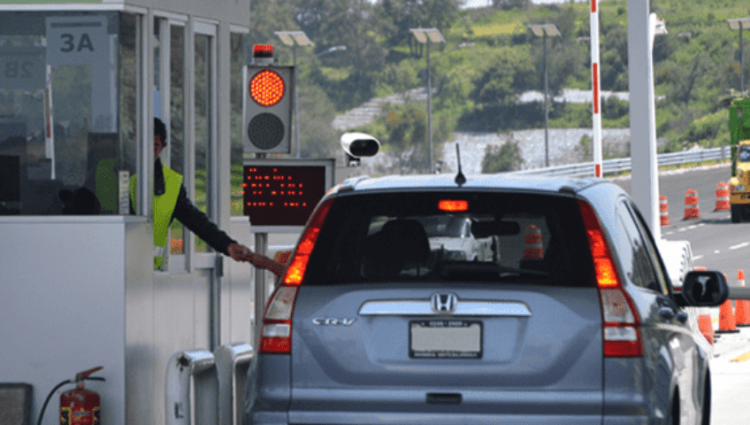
(495, 237)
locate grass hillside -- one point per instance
(490, 57)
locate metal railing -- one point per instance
(618, 165)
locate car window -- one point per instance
(653, 252)
(407, 237)
(636, 261)
(744, 153)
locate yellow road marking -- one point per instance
(715, 320)
(741, 358)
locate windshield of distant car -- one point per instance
(406, 237)
(744, 153)
(445, 225)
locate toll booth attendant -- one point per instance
(171, 201)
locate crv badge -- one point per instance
(333, 321)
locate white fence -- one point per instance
(611, 166)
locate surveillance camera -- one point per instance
(359, 145)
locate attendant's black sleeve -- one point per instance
(198, 223)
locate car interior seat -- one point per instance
(399, 245)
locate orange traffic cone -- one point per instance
(722, 196)
(741, 307)
(706, 327)
(727, 323)
(663, 211)
(533, 240)
(691, 205)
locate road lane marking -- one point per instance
(741, 358)
(717, 252)
(697, 257)
(742, 245)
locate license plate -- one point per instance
(452, 339)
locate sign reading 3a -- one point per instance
(268, 109)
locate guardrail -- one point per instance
(618, 165)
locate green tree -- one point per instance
(510, 73)
(503, 158)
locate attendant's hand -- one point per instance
(238, 252)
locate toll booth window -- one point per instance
(66, 81)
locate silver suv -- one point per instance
(572, 320)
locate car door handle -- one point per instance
(666, 313)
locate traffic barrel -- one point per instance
(691, 205)
(722, 196)
(533, 241)
(706, 328)
(727, 324)
(664, 210)
(741, 307)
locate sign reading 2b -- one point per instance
(77, 40)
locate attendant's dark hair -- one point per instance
(160, 130)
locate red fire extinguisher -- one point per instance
(79, 406)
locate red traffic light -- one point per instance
(262, 51)
(267, 88)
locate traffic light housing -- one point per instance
(268, 109)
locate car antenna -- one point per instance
(460, 178)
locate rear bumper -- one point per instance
(372, 418)
(410, 407)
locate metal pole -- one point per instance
(546, 106)
(260, 299)
(296, 102)
(429, 107)
(642, 114)
(742, 62)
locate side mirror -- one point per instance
(705, 288)
(358, 145)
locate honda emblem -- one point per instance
(443, 303)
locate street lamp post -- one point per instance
(428, 36)
(740, 24)
(544, 31)
(294, 39)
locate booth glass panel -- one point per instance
(237, 94)
(177, 120)
(204, 123)
(63, 135)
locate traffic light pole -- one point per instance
(261, 292)
(296, 103)
(429, 108)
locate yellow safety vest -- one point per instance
(105, 184)
(162, 209)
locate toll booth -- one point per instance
(80, 84)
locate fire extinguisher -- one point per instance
(79, 406)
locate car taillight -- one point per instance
(276, 333)
(621, 324)
(298, 264)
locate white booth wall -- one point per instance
(80, 291)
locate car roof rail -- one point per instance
(576, 186)
(349, 184)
